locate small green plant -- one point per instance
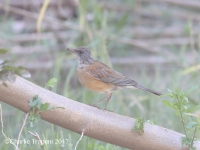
(139, 124)
(36, 105)
(36, 108)
(51, 83)
(180, 103)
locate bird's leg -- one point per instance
(108, 96)
(95, 105)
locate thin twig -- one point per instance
(79, 140)
(195, 131)
(38, 137)
(24, 123)
(181, 115)
(2, 127)
(8, 140)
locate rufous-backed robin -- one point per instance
(98, 77)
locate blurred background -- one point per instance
(155, 42)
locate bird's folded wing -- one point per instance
(105, 74)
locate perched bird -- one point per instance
(98, 77)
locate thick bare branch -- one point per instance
(99, 124)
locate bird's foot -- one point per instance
(108, 110)
(94, 105)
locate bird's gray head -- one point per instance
(83, 54)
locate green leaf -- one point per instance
(37, 117)
(32, 103)
(39, 104)
(186, 141)
(45, 106)
(51, 83)
(33, 119)
(35, 102)
(170, 104)
(139, 125)
(167, 103)
(191, 125)
(3, 51)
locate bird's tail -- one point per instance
(146, 89)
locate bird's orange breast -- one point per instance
(91, 83)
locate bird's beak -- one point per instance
(72, 50)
